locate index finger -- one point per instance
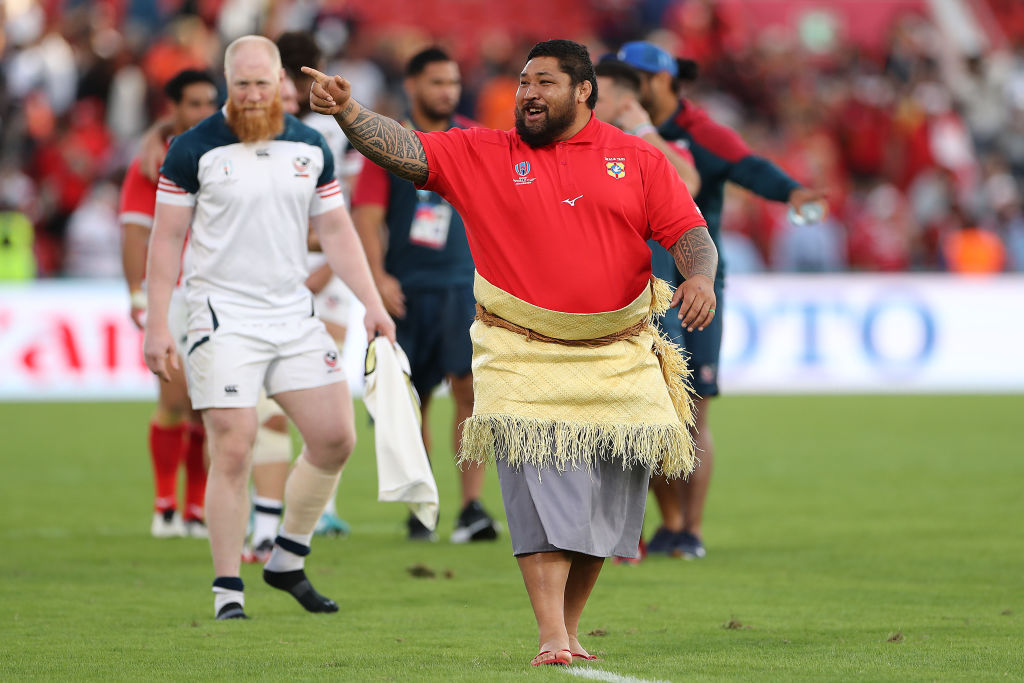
(677, 298)
(320, 78)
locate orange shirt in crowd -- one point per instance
(973, 250)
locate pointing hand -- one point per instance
(329, 94)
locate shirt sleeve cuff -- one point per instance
(175, 198)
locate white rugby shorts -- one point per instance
(227, 366)
(333, 302)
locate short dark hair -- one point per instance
(573, 59)
(175, 88)
(622, 74)
(688, 70)
(419, 61)
(298, 49)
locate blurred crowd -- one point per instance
(916, 134)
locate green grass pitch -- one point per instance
(849, 538)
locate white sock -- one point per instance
(282, 560)
(225, 596)
(266, 520)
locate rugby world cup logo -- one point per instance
(523, 176)
(301, 165)
(331, 358)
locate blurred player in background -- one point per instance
(618, 87)
(176, 432)
(333, 299)
(720, 156)
(251, 181)
(420, 259)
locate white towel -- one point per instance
(403, 469)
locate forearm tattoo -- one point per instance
(695, 253)
(385, 142)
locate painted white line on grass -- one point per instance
(599, 675)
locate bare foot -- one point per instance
(561, 657)
(577, 650)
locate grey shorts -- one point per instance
(598, 512)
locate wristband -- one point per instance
(643, 130)
(138, 299)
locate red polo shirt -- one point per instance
(563, 227)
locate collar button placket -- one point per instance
(564, 169)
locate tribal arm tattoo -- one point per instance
(695, 254)
(384, 141)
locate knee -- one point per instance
(344, 444)
(336, 448)
(173, 407)
(230, 452)
(231, 460)
(168, 414)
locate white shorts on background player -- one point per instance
(332, 303)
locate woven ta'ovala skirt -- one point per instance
(596, 511)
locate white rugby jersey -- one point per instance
(252, 203)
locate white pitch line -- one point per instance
(599, 675)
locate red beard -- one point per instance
(250, 127)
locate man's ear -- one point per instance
(585, 88)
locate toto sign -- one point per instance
(867, 333)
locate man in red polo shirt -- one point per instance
(577, 397)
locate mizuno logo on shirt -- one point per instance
(231, 389)
(571, 202)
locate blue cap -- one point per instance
(648, 57)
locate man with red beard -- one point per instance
(251, 181)
(576, 396)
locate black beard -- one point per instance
(435, 114)
(558, 122)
